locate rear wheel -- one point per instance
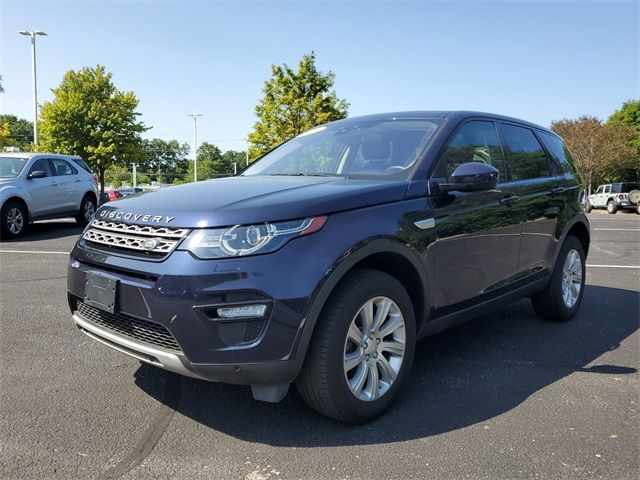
(560, 300)
(362, 348)
(87, 209)
(14, 219)
(612, 207)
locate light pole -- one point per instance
(195, 145)
(33, 34)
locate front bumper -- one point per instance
(177, 296)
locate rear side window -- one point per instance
(82, 164)
(558, 151)
(62, 167)
(41, 165)
(474, 141)
(527, 158)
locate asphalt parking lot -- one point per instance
(504, 396)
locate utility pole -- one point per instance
(135, 171)
(33, 34)
(235, 168)
(195, 145)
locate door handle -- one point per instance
(78, 180)
(509, 199)
(557, 190)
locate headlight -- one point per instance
(241, 240)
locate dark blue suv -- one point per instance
(323, 262)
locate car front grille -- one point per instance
(134, 328)
(139, 240)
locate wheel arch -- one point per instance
(20, 200)
(386, 255)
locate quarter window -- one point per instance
(527, 158)
(475, 141)
(63, 168)
(558, 151)
(41, 165)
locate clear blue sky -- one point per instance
(536, 60)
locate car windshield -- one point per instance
(623, 187)
(365, 149)
(11, 167)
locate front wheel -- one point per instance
(14, 220)
(560, 300)
(612, 207)
(87, 209)
(362, 348)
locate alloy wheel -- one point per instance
(89, 210)
(15, 220)
(571, 278)
(374, 348)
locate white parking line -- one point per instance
(613, 266)
(617, 229)
(34, 251)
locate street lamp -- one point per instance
(195, 145)
(33, 34)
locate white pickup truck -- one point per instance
(615, 196)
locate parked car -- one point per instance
(324, 261)
(109, 195)
(615, 196)
(38, 186)
(126, 192)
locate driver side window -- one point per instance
(600, 188)
(475, 141)
(41, 165)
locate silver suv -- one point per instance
(38, 186)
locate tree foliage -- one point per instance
(629, 114)
(294, 101)
(20, 132)
(91, 118)
(602, 152)
(165, 159)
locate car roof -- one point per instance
(450, 115)
(38, 154)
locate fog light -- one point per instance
(241, 311)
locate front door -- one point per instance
(477, 233)
(44, 192)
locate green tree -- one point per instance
(602, 152)
(89, 117)
(20, 132)
(212, 163)
(166, 160)
(629, 114)
(294, 101)
(116, 175)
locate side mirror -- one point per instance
(471, 177)
(36, 174)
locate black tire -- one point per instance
(11, 212)
(588, 207)
(638, 208)
(549, 304)
(322, 381)
(87, 205)
(612, 207)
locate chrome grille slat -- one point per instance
(146, 230)
(132, 237)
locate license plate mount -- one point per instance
(101, 291)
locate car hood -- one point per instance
(251, 199)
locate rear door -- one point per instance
(532, 179)
(68, 183)
(477, 233)
(44, 192)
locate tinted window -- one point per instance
(607, 188)
(366, 148)
(475, 141)
(624, 187)
(558, 150)
(62, 167)
(82, 164)
(41, 165)
(600, 189)
(527, 158)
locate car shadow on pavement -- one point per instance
(48, 230)
(460, 377)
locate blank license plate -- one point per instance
(101, 292)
